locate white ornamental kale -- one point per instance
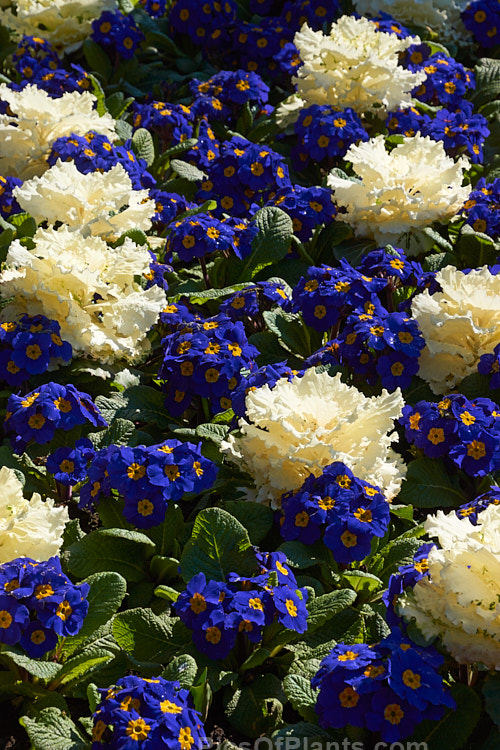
(88, 287)
(300, 426)
(102, 204)
(460, 600)
(410, 187)
(65, 24)
(34, 121)
(459, 325)
(28, 528)
(354, 65)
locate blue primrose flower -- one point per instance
(147, 713)
(38, 603)
(36, 416)
(388, 688)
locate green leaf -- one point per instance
(166, 534)
(119, 432)
(139, 403)
(143, 146)
(299, 555)
(187, 171)
(149, 637)
(123, 129)
(43, 670)
(51, 729)
(476, 385)
(256, 658)
(25, 224)
(214, 432)
(475, 248)
(310, 734)
(452, 731)
(322, 608)
(166, 592)
(116, 104)
(182, 668)
(255, 517)
(427, 485)
(491, 692)
(257, 708)
(179, 148)
(291, 331)
(119, 550)
(97, 59)
(270, 244)
(163, 568)
(487, 73)
(219, 544)
(81, 668)
(301, 695)
(360, 580)
(107, 591)
(398, 552)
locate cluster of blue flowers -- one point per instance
(34, 418)
(94, 151)
(243, 175)
(233, 88)
(8, 204)
(380, 344)
(118, 33)
(68, 464)
(148, 713)
(198, 236)
(308, 208)
(456, 429)
(345, 511)
(36, 61)
(29, 346)
(171, 122)
(324, 135)
(265, 375)
(205, 358)
(406, 576)
(482, 18)
(265, 46)
(481, 209)
(474, 507)
(447, 82)
(489, 364)
(327, 295)
(148, 478)
(388, 688)
(248, 304)
(460, 130)
(216, 611)
(38, 603)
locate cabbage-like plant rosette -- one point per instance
(459, 601)
(300, 426)
(88, 287)
(408, 188)
(353, 65)
(460, 324)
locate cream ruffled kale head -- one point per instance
(300, 426)
(34, 122)
(459, 325)
(410, 187)
(65, 24)
(28, 528)
(460, 601)
(354, 65)
(88, 287)
(102, 204)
